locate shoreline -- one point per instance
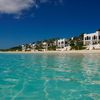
(54, 52)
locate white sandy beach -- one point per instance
(68, 52)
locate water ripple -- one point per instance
(49, 76)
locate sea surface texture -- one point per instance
(49, 76)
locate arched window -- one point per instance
(94, 37)
(99, 37)
(87, 37)
(62, 42)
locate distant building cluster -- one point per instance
(58, 44)
(84, 41)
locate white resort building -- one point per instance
(92, 40)
(45, 46)
(23, 47)
(62, 44)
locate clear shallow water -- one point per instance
(49, 76)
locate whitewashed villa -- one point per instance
(92, 40)
(63, 45)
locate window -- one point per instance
(99, 37)
(62, 42)
(89, 38)
(94, 37)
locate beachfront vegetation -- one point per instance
(77, 42)
(17, 48)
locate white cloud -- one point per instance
(17, 6)
(44, 1)
(61, 1)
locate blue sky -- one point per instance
(25, 21)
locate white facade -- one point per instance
(92, 38)
(45, 46)
(61, 43)
(23, 47)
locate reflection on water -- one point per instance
(49, 76)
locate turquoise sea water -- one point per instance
(49, 76)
